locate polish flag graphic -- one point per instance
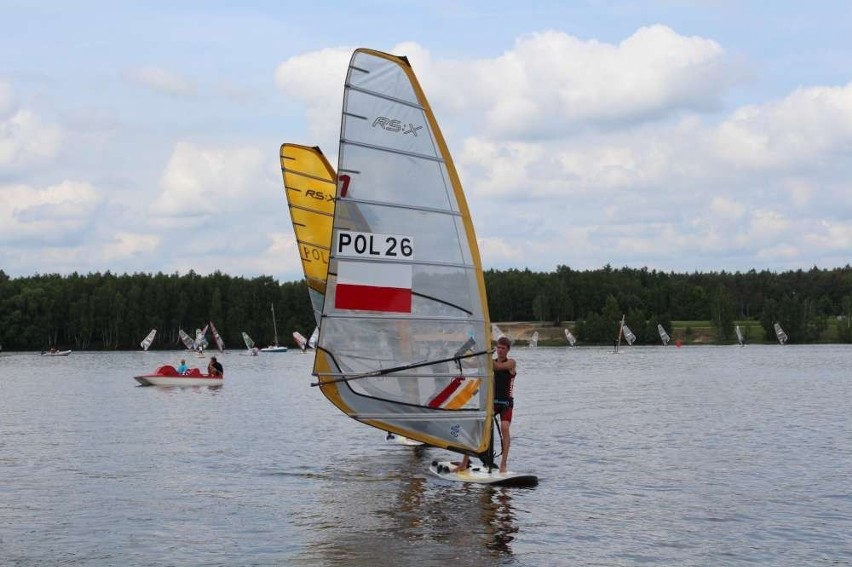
(367, 286)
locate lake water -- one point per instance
(656, 456)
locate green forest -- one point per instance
(105, 311)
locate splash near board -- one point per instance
(481, 475)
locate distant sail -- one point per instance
(534, 340)
(186, 339)
(779, 332)
(496, 333)
(312, 342)
(628, 335)
(300, 340)
(739, 335)
(570, 338)
(404, 340)
(664, 336)
(146, 342)
(201, 338)
(248, 341)
(220, 344)
(310, 184)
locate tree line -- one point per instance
(106, 311)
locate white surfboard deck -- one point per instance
(481, 475)
(400, 440)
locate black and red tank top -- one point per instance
(503, 383)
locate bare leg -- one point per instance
(506, 442)
(464, 464)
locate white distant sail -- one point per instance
(570, 338)
(248, 341)
(625, 333)
(300, 339)
(534, 340)
(664, 336)
(779, 332)
(404, 341)
(740, 339)
(217, 338)
(186, 339)
(628, 335)
(146, 342)
(312, 342)
(496, 333)
(200, 342)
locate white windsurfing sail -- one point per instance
(625, 333)
(312, 342)
(570, 338)
(740, 339)
(146, 342)
(496, 333)
(300, 339)
(217, 338)
(404, 340)
(779, 332)
(247, 340)
(664, 336)
(200, 342)
(534, 340)
(186, 339)
(628, 335)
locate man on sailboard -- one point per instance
(504, 402)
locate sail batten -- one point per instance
(395, 151)
(403, 344)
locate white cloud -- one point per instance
(56, 214)
(202, 181)
(161, 80)
(316, 79)
(24, 138)
(125, 245)
(805, 128)
(551, 82)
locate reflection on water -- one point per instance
(661, 456)
(391, 510)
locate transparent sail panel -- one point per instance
(404, 338)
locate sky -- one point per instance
(692, 135)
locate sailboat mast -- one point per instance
(620, 334)
(274, 325)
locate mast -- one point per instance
(274, 325)
(620, 333)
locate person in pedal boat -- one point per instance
(504, 402)
(215, 367)
(183, 368)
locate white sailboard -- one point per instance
(448, 470)
(405, 336)
(570, 338)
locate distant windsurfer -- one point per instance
(504, 381)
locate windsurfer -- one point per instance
(504, 402)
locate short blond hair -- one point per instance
(505, 341)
